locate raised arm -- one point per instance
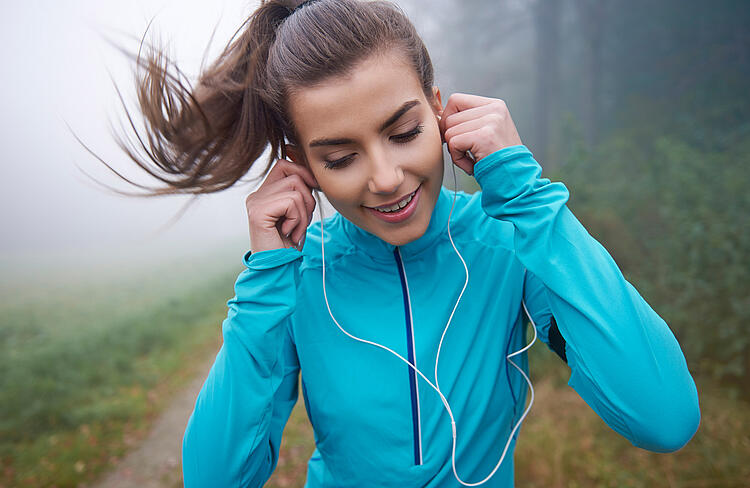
(625, 362)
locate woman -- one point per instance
(360, 304)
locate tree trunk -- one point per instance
(592, 16)
(547, 30)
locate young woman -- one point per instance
(402, 311)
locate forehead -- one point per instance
(360, 100)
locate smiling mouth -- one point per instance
(395, 207)
(399, 211)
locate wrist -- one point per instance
(265, 240)
(499, 157)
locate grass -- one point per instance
(86, 364)
(564, 444)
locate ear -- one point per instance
(296, 155)
(436, 103)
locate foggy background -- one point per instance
(57, 74)
(640, 108)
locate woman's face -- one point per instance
(372, 141)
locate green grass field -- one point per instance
(88, 359)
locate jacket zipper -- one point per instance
(412, 357)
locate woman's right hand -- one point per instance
(281, 209)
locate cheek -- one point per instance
(341, 188)
(430, 153)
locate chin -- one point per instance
(405, 237)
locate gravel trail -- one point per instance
(155, 462)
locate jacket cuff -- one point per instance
(271, 258)
(495, 160)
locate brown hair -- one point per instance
(204, 139)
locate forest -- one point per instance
(642, 109)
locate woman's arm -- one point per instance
(234, 432)
(626, 363)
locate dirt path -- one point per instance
(155, 463)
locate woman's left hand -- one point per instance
(477, 124)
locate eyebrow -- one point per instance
(391, 120)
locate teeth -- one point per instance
(397, 206)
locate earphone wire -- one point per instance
(436, 386)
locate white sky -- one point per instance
(55, 71)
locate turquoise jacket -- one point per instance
(376, 422)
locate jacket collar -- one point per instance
(380, 250)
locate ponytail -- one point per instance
(204, 139)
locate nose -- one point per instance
(386, 176)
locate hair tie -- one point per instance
(306, 2)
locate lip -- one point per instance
(393, 202)
(401, 215)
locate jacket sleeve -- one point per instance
(625, 362)
(233, 435)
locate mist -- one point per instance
(59, 83)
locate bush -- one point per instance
(674, 212)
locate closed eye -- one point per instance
(339, 163)
(398, 138)
(408, 136)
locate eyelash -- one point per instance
(398, 138)
(409, 136)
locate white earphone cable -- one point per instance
(436, 386)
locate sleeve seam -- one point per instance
(269, 408)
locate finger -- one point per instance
(465, 164)
(470, 125)
(459, 102)
(296, 183)
(295, 214)
(266, 218)
(491, 109)
(273, 211)
(284, 168)
(300, 229)
(457, 147)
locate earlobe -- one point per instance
(294, 154)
